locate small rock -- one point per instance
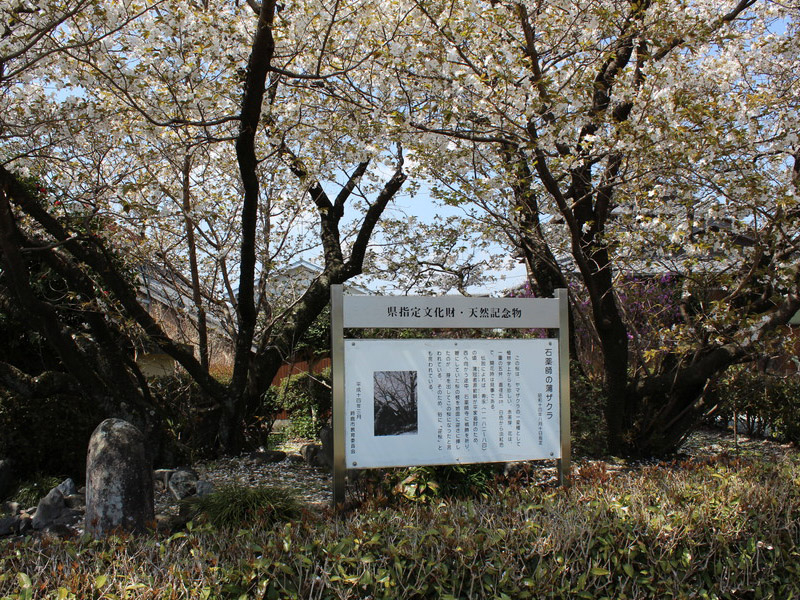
(162, 522)
(75, 501)
(169, 523)
(49, 508)
(58, 530)
(183, 483)
(190, 470)
(161, 476)
(294, 459)
(172, 522)
(315, 456)
(9, 525)
(10, 509)
(69, 516)
(326, 437)
(204, 488)
(25, 524)
(67, 487)
(309, 452)
(269, 456)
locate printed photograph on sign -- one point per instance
(395, 399)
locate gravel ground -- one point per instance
(313, 485)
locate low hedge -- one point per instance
(721, 530)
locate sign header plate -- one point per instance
(450, 312)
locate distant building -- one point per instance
(167, 296)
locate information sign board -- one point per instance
(448, 401)
(428, 402)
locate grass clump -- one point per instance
(236, 505)
(28, 493)
(429, 484)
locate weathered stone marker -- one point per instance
(119, 480)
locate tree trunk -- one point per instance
(664, 407)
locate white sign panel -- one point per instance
(427, 402)
(450, 311)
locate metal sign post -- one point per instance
(565, 462)
(444, 401)
(337, 372)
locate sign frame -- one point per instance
(447, 312)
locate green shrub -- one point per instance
(426, 484)
(765, 404)
(303, 426)
(239, 506)
(307, 398)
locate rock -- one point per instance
(119, 480)
(6, 477)
(204, 488)
(268, 456)
(309, 453)
(49, 508)
(54, 505)
(59, 530)
(25, 524)
(162, 477)
(9, 525)
(15, 525)
(314, 455)
(10, 509)
(75, 501)
(67, 487)
(326, 437)
(189, 470)
(294, 459)
(183, 483)
(170, 523)
(69, 516)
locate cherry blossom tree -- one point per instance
(618, 139)
(212, 139)
(601, 141)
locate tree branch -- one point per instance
(91, 252)
(46, 384)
